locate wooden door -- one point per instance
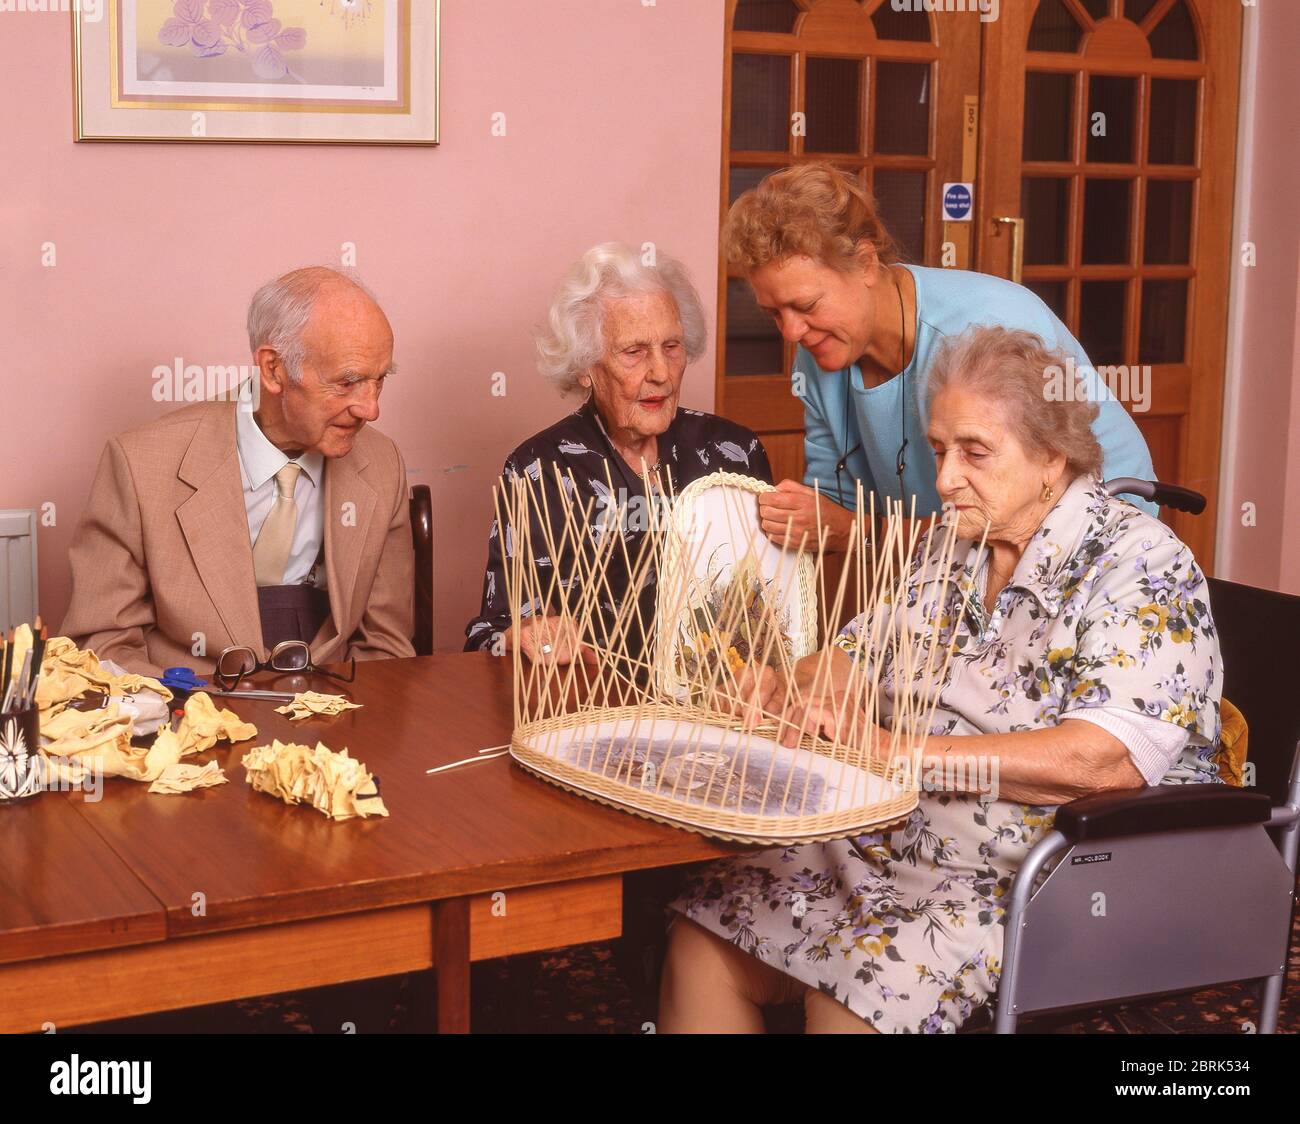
(878, 92)
(1111, 132)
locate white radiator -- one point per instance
(18, 600)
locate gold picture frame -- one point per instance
(356, 72)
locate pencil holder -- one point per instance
(22, 769)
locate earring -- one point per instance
(1048, 492)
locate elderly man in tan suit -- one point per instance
(220, 525)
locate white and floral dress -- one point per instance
(1107, 608)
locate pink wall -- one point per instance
(1262, 415)
(613, 118)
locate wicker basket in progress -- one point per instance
(704, 717)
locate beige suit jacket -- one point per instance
(162, 564)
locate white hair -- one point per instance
(572, 339)
(280, 310)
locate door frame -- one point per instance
(1196, 387)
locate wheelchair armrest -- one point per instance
(1167, 807)
(1167, 495)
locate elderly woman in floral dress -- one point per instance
(1085, 661)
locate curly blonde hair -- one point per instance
(1015, 369)
(814, 210)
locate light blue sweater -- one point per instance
(948, 301)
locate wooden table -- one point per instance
(140, 903)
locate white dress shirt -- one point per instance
(259, 461)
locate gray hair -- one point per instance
(281, 309)
(572, 339)
(1016, 369)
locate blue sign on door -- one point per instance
(957, 201)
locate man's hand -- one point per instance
(794, 511)
(552, 640)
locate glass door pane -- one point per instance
(760, 103)
(1099, 130)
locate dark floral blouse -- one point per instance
(694, 445)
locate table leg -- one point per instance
(451, 964)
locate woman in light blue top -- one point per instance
(868, 328)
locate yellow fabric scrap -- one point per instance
(204, 725)
(102, 738)
(306, 703)
(67, 673)
(185, 778)
(333, 783)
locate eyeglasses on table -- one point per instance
(292, 656)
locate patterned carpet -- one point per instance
(584, 990)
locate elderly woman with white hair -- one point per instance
(1085, 660)
(622, 332)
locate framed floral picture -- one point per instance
(258, 71)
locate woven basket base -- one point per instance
(711, 833)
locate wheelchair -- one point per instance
(1171, 888)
